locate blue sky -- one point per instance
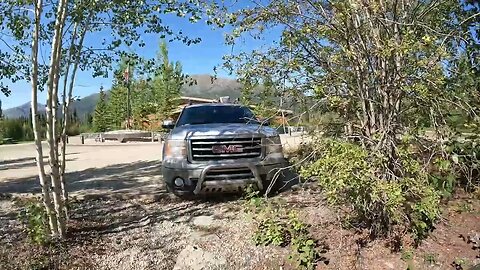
(196, 59)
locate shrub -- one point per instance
(305, 250)
(278, 227)
(271, 230)
(252, 198)
(444, 177)
(407, 255)
(465, 156)
(34, 218)
(329, 122)
(350, 175)
(430, 258)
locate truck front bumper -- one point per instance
(230, 177)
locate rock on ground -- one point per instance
(203, 221)
(195, 258)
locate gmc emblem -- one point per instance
(227, 149)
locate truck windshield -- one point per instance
(216, 114)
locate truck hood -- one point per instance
(190, 131)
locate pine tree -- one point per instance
(1, 112)
(75, 116)
(167, 82)
(100, 123)
(117, 107)
(143, 103)
(117, 101)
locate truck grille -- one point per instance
(232, 148)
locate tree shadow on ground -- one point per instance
(129, 179)
(103, 217)
(19, 163)
(136, 178)
(25, 164)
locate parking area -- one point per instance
(128, 168)
(131, 168)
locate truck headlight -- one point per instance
(175, 149)
(273, 145)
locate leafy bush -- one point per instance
(252, 198)
(34, 218)
(430, 258)
(271, 230)
(278, 227)
(78, 128)
(73, 130)
(305, 250)
(456, 165)
(465, 156)
(444, 178)
(350, 175)
(407, 255)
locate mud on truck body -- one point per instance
(219, 147)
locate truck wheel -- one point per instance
(275, 187)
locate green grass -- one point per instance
(430, 258)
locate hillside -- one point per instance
(22, 110)
(204, 87)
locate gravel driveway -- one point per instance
(125, 220)
(92, 168)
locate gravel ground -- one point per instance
(111, 233)
(122, 217)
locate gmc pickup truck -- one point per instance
(219, 147)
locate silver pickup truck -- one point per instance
(219, 147)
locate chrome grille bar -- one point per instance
(244, 147)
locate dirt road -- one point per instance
(92, 168)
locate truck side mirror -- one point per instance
(168, 124)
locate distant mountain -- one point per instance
(85, 105)
(22, 111)
(206, 87)
(203, 87)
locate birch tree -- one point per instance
(63, 28)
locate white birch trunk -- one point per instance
(67, 98)
(47, 202)
(52, 100)
(63, 136)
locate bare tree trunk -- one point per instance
(47, 201)
(52, 100)
(67, 98)
(63, 136)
